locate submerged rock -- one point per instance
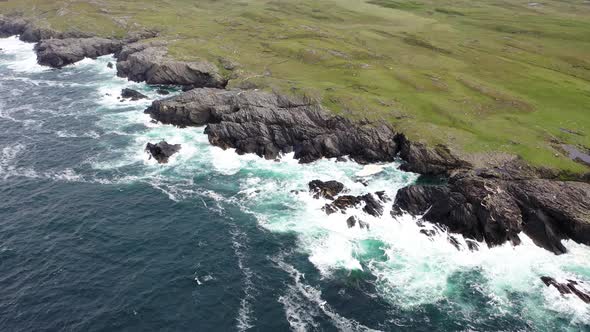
(57, 53)
(162, 151)
(149, 62)
(132, 94)
(496, 208)
(328, 189)
(110, 65)
(568, 287)
(269, 124)
(162, 92)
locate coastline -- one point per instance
(492, 204)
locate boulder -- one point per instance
(328, 189)
(132, 94)
(149, 62)
(270, 124)
(162, 151)
(57, 53)
(163, 92)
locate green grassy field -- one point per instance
(481, 76)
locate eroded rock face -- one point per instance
(568, 287)
(132, 94)
(30, 32)
(149, 62)
(419, 158)
(496, 209)
(57, 53)
(269, 124)
(328, 189)
(162, 151)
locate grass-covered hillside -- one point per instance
(481, 76)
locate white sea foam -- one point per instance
(19, 56)
(244, 319)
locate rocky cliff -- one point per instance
(496, 205)
(269, 124)
(149, 62)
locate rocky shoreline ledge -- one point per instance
(493, 204)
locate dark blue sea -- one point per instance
(95, 236)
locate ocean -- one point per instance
(96, 236)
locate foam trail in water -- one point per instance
(303, 302)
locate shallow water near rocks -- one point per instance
(95, 236)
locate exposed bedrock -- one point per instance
(269, 124)
(57, 53)
(425, 160)
(495, 208)
(30, 32)
(372, 204)
(149, 62)
(162, 151)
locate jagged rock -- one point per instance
(419, 158)
(567, 287)
(372, 206)
(496, 210)
(353, 220)
(149, 62)
(57, 53)
(132, 94)
(270, 124)
(162, 151)
(328, 189)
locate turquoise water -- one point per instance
(95, 236)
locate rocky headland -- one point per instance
(492, 204)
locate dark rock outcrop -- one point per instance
(495, 208)
(425, 160)
(372, 204)
(163, 92)
(567, 287)
(328, 189)
(162, 151)
(149, 62)
(11, 26)
(353, 220)
(57, 53)
(31, 32)
(132, 94)
(269, 124)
